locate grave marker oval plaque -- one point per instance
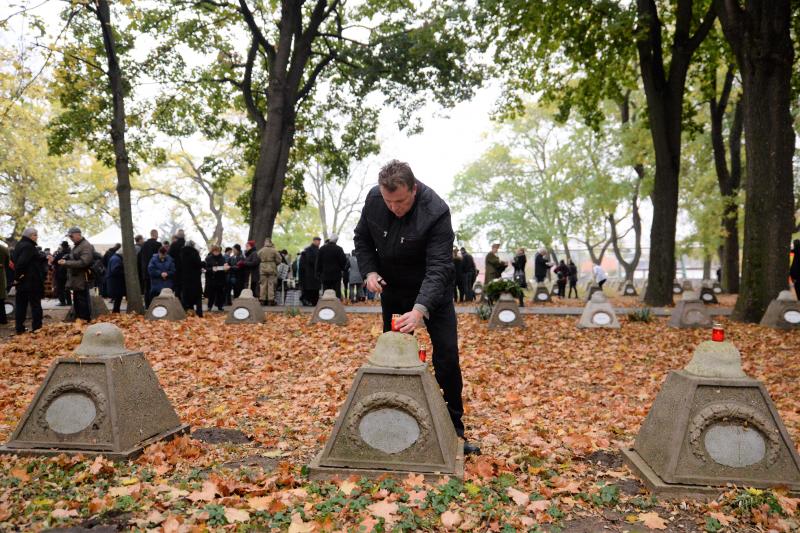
(676, 290)
(389, 430)
(507, 316)
(241, 313)
(708, 296)
(9, 308)
(159, 311)
(792, 316)
(718, 290)
(326, 313)
(70, 413)
(601, 319)
(542, 296)
(734, 445)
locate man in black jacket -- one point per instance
(178, 242)
(30, 267)
(308, 272)
(331, 262)
(469, 273)
(149, 249)
(404, 243)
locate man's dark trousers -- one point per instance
(80, 301)
(442, 328)
(334, 285)
(23, 299)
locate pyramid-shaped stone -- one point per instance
(97, 306)
(712, 425)
(505, 313)
(783, 312)
(553, 288)
(716, 287)
(393, 422)
(246, 310)
(10, 308)
(689, 312)
(329, 310)
(677, 288)
(591, 289)
(628, 289)
(478, 290)
(103, 400)
(165, 306)
(598, 313)
(541, 295)
(707, 294)
(687, 285)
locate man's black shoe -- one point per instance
(471, 449)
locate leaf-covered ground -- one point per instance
(550, 406)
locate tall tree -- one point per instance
(759, 32)
(292, 48)
(92, 85)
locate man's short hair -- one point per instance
(153, 234)
(394, 174)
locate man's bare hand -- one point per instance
(409, 321)
(375, 283)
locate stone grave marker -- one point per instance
(783, 312)
(628, 289)
(478, 290)
(711, 425)
(10, 308)
(592, 288)
(553, 288)
(165, 306)
(687, 285)
(677, 288)
(707, 294)
(717, 287)
(689, 312)
(246, 310)
(505, 313)
(393, 422)
(329, 310)
(103, 400)
(598, 313)
(541, 295)
(97, 306)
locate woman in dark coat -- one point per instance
(190, 276)
(519, 262)
(562, 275)
(115, 280)
(216, 278)
(794, 270)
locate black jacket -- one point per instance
(468, 264)
(189, 275)
(175, 253)
(540, 266)
(412, 253)
(331, 262)
(30, 267)
(308, 268)
(215, 277)
(149, 249)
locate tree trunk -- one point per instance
(664, 94)
(760, 37)
(133, 294)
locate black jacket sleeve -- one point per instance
(439, 269)
(366, 252)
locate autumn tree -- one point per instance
(295, 55)
(759, 32)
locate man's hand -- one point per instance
(164, 275)
(375, 283)
(409, 321)
(62, 261)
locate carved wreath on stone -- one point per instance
(89, 389)
(391, 400)
(733, 411)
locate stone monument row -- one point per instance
(246, 310)
(783, 312)
(165, 306)
(505, 313)
(689, 312)
(598, 313)
(97, 307)
(329, 310)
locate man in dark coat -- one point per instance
(251, 264)
(331, 262)
(404, 246)
(148, 250)
(469, 272)
(60, 275)
(30, 267)
(190, 278)
(115, 280)
(541, 265)
(175, 253)
(78, 265)
(308, 273)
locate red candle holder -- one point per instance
(395, 327)
(717, 333)
(423, 355)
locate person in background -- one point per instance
(238, 270)
(562, 275)
(540, 265)
(60, 275)
(190, 276)
(284, 274)
(78, 265)
(5, 266)
(494, 267)
(149, 248)
(573, 279)
(251, 274)
(216, 277)
(458, 265)
(161, 271)
(600, 275)
(229, 276)
(308, 273)
(30, 268)
(106, 259)
(354, 279)
(268, 261)
(115, 280)
(138, 242)
(794, 269)
(178, 242)
(470, 273)
(519, 262)
(331, 262)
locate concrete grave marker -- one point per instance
(478, 290)
(97, 306)
(329, 310)
(542, 295)
(711, 425)
(628, 289)
(716, 287)
(553, 288)
(394, 420)
(689, 312)
(687, 285)
(598, 313)
(245, 310)
(783, 312)
(707, 294)
(102, 400)
(10, 308)
(505, 313)
(677, 288)
(591, 289)
(165, 306)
